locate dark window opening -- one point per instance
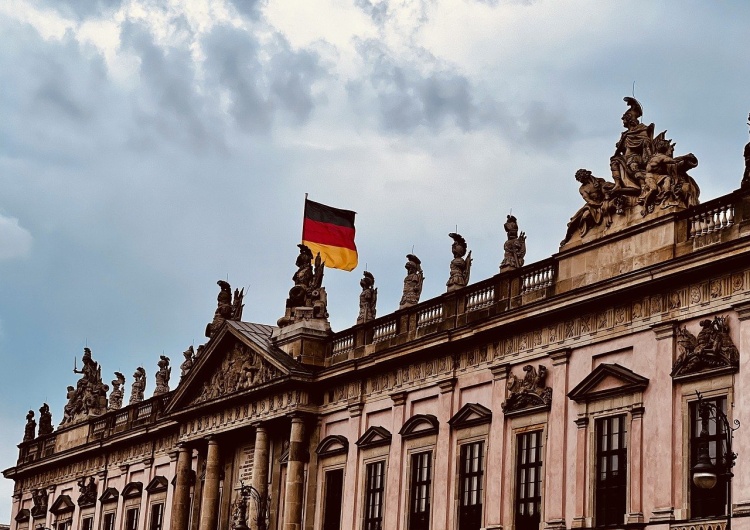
(108, 523)
(471, 477)
(374, 489)
(708, 502)
(419, 491)
(611, 471)
(157, 517)
(334, 492)
(131, 519)
(528, 480)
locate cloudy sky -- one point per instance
(151, 147)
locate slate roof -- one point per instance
(260, 335)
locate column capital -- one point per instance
(582, 422)
(446, 385)
(637, 411)
(399, 398)
(559, 356)
(665, 330)
(743, 310)
(500, 371)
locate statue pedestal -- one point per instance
(304, 340)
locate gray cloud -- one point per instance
(378, 12)
(81, 9)
(249, 8)
(15, 241)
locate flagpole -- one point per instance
(304, 213)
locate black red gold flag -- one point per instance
(330, 231)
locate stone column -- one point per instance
(181, 497)
(496, 450)
(443, 501)
(659, 427)
(579, 521)
(556, 451)
(636, 466)
(260, 473)
(741, 411)
(295, 476)
(395, 468)
(210, 500)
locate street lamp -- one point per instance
(705, 473)
(261, 505)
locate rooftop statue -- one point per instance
(187, 364)
(746, 175)
(460, 267)
(307, 299)
(514, 247)
(162, 376)
(647, 178)
(368, 298)
(45, 420)
(118, 392)
(139, 386)
(412, 283)
(226, 308)
(29, 432)
(89, 397)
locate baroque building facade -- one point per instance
(555, 395)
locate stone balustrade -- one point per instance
(343, 344)
(538, 276)
(385, 330)
(480, 298)
(429, 315)
(711, 217)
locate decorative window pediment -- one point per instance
(373, 437)
(158, 484)
(63, 504)
(419, 425)
(109, 495)
(607, 380)
(470, 414)
(132, 489)
(709, 354)
(23, 515)
(529, 393)
(332, 445)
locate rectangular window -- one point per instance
(334, 493)
(708, 502)
(471, 477)
(528, 480)
(87, 523)
(64, 525)
(374, 489)
(611, 471)
(157, 517)
(131, 519)
(419, 496)
(108, 521)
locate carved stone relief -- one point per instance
(527, 392)
(712, 348)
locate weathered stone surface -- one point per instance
(412, 283)
(712, 348)
(29, 432)
(162, 376)
(514, 247)
(187, 364)
(307, 299)
(368, 298)
(530, 392)
(138, 386)
(118, 392)
(460, 267)
(89, 397)
(227, 308)
(45, 420)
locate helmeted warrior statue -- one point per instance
(89, 397)
(514, 247)
(368, 298)
(746, 175)
(412, 283)
(187, 364)
(227, 309)
(139, 386)
(645, 173)
(118, 392)
(162, 376)
(460, 267)
(29, 432)
(45, 420)
(307, 299)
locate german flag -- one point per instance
(330, 231)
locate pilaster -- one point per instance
(741, 411)
(556, 451)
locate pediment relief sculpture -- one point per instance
(529, 392)
(711, 349)
(241, 369)
(646, 178)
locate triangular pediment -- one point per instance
(240, 358)
(157, 484)
(109, 495)
(62, 504)
(374, 436)
(608, 380)
(332, 445)
(132, 489)
(419, 425)
(469, 415)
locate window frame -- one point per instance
(602, 499)
(125, 520)
(369, 522)
(717, 494)
(461, 477)
(324, 494)
(423, 455)
(103, 525)
(519, 498)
